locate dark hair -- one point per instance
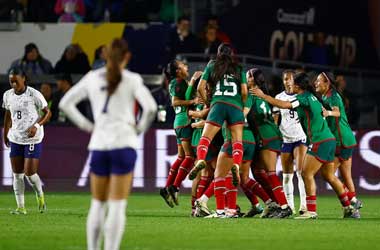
(28, 48)
(64, 77)
(225, 64)
(171, 70)
(18, 71)
(98, 52)
(116, 54)
(183, 18)
(302, 80)
(333, 84)
(259, 78)
(288, 71)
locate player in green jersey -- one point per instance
(226, 80)
(269, 142)
(177, 73)
(322, 143)
(338, 123)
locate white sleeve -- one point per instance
(276, 110)
(69, 101)
(39, 100)
(5, 101)
(295, 103)
(148, 104)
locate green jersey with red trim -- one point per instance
(309, 111)
(177, 88)
(228, 89)
(339, 126)
(261, 120)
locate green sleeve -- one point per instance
(189, 93)
(336, 100)
(302, 99)
(206, 73)
(243, 77)
(248, 103)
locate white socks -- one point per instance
(114, 224)
(204, 198)
(19, 189)
(301, 189)
(95, 223)
(35, 182)
(287, 183)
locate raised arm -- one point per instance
(275, 102)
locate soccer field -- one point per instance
(153, 225)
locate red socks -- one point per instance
(219, 190)
(311, 203)
(262, 177)
(250, 196)
(237, 152)
(173, 171)
(257, 189)
(231, 193)
(277, 188)
(202, 148)
(344, 199)
(351, 195)
(184, 169)
(210, 190)
(204, 182)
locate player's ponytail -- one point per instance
(225, 64)
(258, 78)
(333, 84)
(116, 53)
(171, 70)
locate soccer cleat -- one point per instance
(166, 196)
(238, 211)
(41, 203)
(307, 215)
(216, 215)
(285, 213)
(348, 212)
(173, 191)
(302, 210)
(201, 209)
(19, 210)
(357, 205)
(253, 211)
(356, 214)
(270, 210)
(231, 213)
(235, 175)
(201, 164)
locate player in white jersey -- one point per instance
(112, 92)
(23, 133)
(294, 143)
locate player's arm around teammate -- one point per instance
(23, 133)
(322, 144)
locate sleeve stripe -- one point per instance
(295, 103)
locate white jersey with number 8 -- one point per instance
(25, 112)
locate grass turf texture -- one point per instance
(153, 225)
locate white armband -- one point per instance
(37, 125)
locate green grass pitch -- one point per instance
(151, 224)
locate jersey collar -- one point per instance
(21, 92)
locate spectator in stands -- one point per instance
(100, 57)
(32, 63)
(47, 92)
(318, 52)
(220, 35)
(73, 61)
(182, 40)
(64, 83)
(350, 101)
(210, 41)
(70, 10)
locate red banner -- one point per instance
(64, 162)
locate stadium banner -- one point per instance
(65, 161)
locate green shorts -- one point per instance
(343, 153)
(249, 150)
(183, 134)
(213, 149)
(221, 112)
(323, 151)
(272, 145)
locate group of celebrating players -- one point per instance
(226, 126)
